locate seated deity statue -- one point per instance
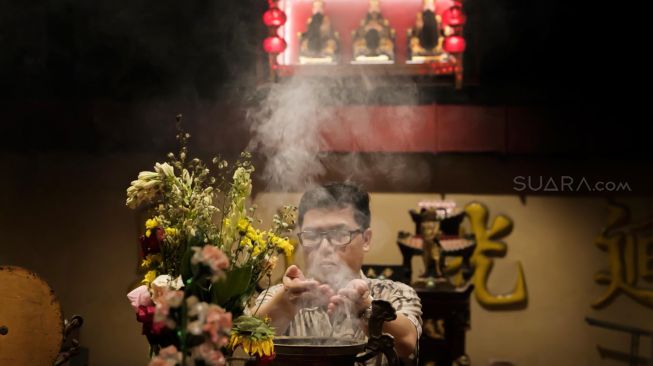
(426, 38)
(373, 40)
(319, 44)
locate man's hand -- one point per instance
(299, 289)
(297, 292)
(355, 296)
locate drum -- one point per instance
(31, 324)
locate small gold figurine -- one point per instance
(432, 256)
(425, 39)
(319, 44)
(373, 40)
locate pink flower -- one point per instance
(169, 299)
(169, 352)
(197, 310)
(211, 256)
(145, 315)
(208, 353)
(157, 327)
(168, 356)
(140, 296)
(159, 361)
(163, 284)
(218, 323)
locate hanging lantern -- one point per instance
(454, 44)
(274, 44)
(274, 17)
(454, 16)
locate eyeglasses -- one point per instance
(338, 238)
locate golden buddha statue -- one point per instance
(319, 44)
(432, 256)
(434, 225)
(373, 40)
(425, 39)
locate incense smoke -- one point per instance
(289, 126)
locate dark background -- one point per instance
(61, 59)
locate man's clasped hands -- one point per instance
(300, 291)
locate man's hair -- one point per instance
(337, 195)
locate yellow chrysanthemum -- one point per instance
(283, 244)
(243, 225)
(245, 242)
(151, 259)
(171, 231)
(287, 248)
(151, 223)
(254, 235)
(256, 251)
(149, 277)
(263, 243)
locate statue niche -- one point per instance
(320, 43)
(373, 40)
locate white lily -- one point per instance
(164, 169)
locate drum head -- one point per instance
(32, 317)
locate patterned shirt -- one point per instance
(315, 322)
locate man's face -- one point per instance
(329, 263)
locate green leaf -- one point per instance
(252, 327)
(232, 285)
(186, 269)
(197, 240)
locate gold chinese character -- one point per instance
(488, 246)
(630, 253)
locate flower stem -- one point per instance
(264, 293)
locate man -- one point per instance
(332, 297)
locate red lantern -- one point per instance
(454, 44)
(274, 44)
(454, 16)
(274, 17)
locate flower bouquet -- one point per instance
(202, 258)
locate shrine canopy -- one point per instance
(345, 16)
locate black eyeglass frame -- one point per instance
(323, 234)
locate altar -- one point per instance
(382, 38)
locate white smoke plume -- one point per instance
(287, 130)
